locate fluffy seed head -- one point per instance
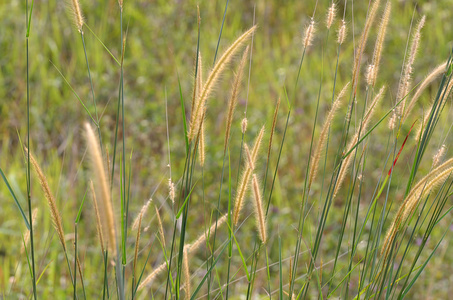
(373, 71)
(102, 189)
(434, 178)
(330, 15)
(245, 179)
(142, 212)
(152, 275)
(405, 81)
(27, 232)
(260, 218)
(309, 33)
(54, 212)
(244, 125)
(77, 12)
(98, 218)
(186, 270)
(342, 31)
(171, 190)
(234, 96)
(203, 237)
(361, 130)
(201, 145)
(314, 163)
(362, 43)
(425, 83)
(213, 79)
(439, 155)
(161, 228)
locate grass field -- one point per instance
(346, 193)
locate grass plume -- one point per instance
(213, 78)
(258, 204)
(234, 96)
(360, 131)
(142, 212)
(245, 179)
(314, 164)
(98, 217)
(102, 189)
(373, 68)
(54, 212)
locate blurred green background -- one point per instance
(160, 48)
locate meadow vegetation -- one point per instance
(225, 150)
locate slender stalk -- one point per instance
(92, 90)
(30, 218)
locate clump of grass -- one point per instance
(434, 178)
(355, 139)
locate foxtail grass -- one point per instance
(54, 212)
(355, 139)
(212, 79)
(234, 96)
(259, 215)
(161, 228)
(362, 43)
(373, 68)
(323, 136)
(102, 190)
(406, 78)
(330, 17)
(98, 218)
(245, 179)
(142, 212)
(422, 86)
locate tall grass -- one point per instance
(351, 208)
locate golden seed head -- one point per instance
(142, 212)
(161, 228)
(78, 17)
(54, 212)
(342, 32)
(330, 15)
(171, 191)
(260, 218)
(309, 32)
(244, 125)
(212, 79)
(102, 189)
(439, 155)
(370, 75)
